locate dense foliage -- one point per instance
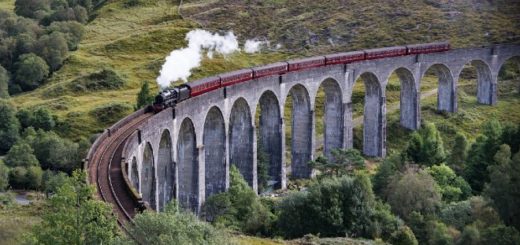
(172, 226)
(75, 217)
(239, 208)
(36, 40)
(335, 207)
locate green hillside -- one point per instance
(130, 43)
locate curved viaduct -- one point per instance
(184, 153)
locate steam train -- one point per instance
(171, 96)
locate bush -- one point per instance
(18, 177)
(457, 214)
(111, 113)
(31, 70)
(34, 177)
(42, 119)
(21, 155)
(104, 79)
(403, 236)
(72, 30)
(335, 207)
(413, 192)
(172, 227)
(239, 208)
(54, 152)
(53, 49)
(501, 234)
(452, 187)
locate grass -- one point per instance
(17, 220)
(133, 41)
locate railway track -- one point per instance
(104, 170)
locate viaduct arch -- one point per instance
(184, 153)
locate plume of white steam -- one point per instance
(253, 46)
(179, 63)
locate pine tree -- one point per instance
(144, 97)
(432, 151)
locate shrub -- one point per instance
(111, 113)
(403, 236)
(31, 70)
(335, 207)
(239, 208)
(172, 227)
(104, 79)
(18, 177)
(21, 155)
(413, 192)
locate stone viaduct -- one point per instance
(184, 153)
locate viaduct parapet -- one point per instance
(185, 152)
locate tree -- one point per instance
(144, 97)
(43, 119)
(34, 177)
(343, 161)
(470, 236)
(504, 186)
(74, 217)
(172, 227)
(453, 188)
(403, 236)
(459, 153)
(18, 177)
(511, 136)
(501, 234)
(24, 117)
(31, 70)
(35, 9)
(56, 153)
(438, 233)
(9, 126)
(72, 30)
(239, 208)
(432, 151)
(52, 181)
(4, 83)
(4, 176)
(385, 172)
(53, 48)
(476, 167)
(426, 146)
(413, 192)
(457, 214)
(21, 155)
(336, 207)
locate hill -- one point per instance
(129, 43)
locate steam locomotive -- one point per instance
(171, 96)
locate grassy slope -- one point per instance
(134, 41)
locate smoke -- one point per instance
(253, 46)
(180, 62)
